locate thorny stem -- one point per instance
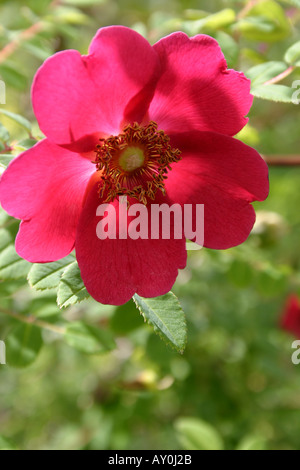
(32, 320)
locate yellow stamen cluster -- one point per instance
(135, 163)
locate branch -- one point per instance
(32, 320)
(282, 160)
(27, 34)
(281, 76)
(244, 12)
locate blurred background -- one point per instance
(235, 386)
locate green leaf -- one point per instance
(4, 134)
(195, 434)
(71, 289)
(11, 265)
(124, 319)
(89, 339)
(252, 442)
(48, 275)
(5, 160)
(5, 239)
(23, 345)
(218, 20)
(240, 273)
(261, 73)
(167, 317)
(279, 93)
(266, 21)
(69, 15)
(11, 75)
(23, 122)
(229, 47)
(37, 50)
(292, 55)
(292, 2)
(5, 444)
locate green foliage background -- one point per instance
(97, 377)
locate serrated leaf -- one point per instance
(23, 345)
(88, 338)
(278, 93)
(48, 275)
(11, 265)
(261, 73)
(292, 55)
(167, 317)
(23, 122)
(71, 289)
(195, 434)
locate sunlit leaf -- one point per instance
(292, 55)
(167, 317)
(11, 265)
(23, 122)
(48, 275)
(71, 289)
(261, 73)
(279, 93)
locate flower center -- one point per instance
(135, 163)
(131, 159)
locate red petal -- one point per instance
(76, 96)
(196, 91)
(223, 174)
(114, 270)
(45, 186)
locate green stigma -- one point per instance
(131, 159)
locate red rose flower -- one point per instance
(152, 123)
(290, 320)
